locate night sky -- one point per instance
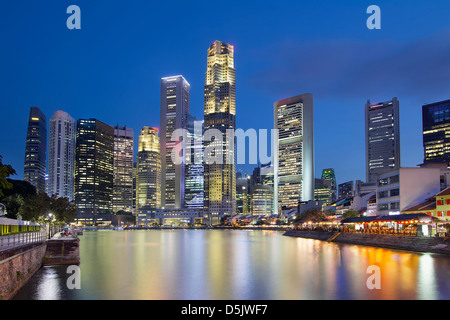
(111, 68)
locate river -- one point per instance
(237, 265)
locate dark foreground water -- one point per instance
(237, 265)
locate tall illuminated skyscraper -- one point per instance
(36, 150)
(174, 111)
(220, 114)
(123, 169)
(294, 151)
(382, 138)
(94, 170)
(194, 165)
(436, 132)
(148, 170)
(329, 175)
(61, 155)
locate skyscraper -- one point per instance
(346, 190)
(323, 191)
(61, 155)
(436, 132)
(294, 151)
(94, 167)
(329, 175)
(148, 170)
(194, 180)
(174, 111)
(220, 114)
(123, 169)
(242, 194)
(36, 150)
(382, 138)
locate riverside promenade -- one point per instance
(438, 245)
(27, 253)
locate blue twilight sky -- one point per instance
(111, 68)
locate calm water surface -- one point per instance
(237, 265)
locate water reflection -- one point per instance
(237, 265)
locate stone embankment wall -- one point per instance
(16, 270)
(397, 242)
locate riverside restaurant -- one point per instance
(402, 224)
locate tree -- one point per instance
(36, 208)
(13, 205)
(312, 215)
(44, 209)
(63, 210)
(20, 187)
(351, 213)
(5, 171)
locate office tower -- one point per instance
(346, 190)
(134, 187)
(174, 111)
(329, 175)
(61, 155)
(94, 169)
(148, 170)
(323, 191)
(382, 138)
(262, 200)
(193, 195)
(220, 114)
(436, 132)
(242, 193)
(123, 169)
(36, 149)
(294, 151)
(266, 173)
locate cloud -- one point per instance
(346, 68)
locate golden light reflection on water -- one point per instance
(243, 265)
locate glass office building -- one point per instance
(61, 155)
(94, 170)
(220, 114)
(36, 150)
(436, 132)
(294, 151)
(382, 138)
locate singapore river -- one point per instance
(237, 265)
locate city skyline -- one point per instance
(139, 90)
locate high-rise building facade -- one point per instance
(123, 169)
(346, 190)
(242, 194)
(36, 150)
(436, 132)
(262, 200)
(194, 185)
(61, 155)
(294, 151)
(220, 114)
(148, 170)
(94, 169)
(174, 111)
(329, 175)
(323, 191)
(382, 138)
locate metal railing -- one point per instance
(17, 240)
(18, 233)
